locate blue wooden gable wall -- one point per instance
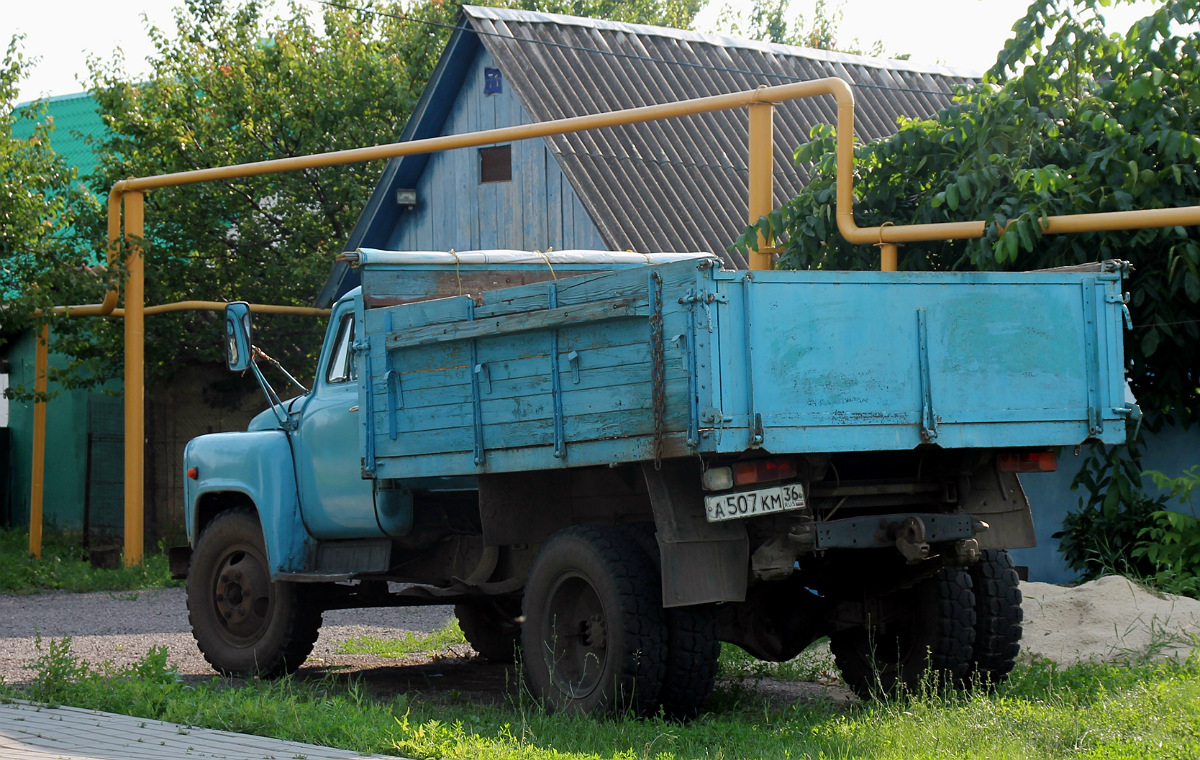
(537, 210)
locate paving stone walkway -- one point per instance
(33, 732)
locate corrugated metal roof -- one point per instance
(680, 184)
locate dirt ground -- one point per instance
(121, 627)
(1109, 618)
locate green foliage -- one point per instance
(1098, 539)
(1171, 540)
(230, 85)
(813, 664)
(428, 644)
(1096, 710)
(40, 200)
(63, 567)
(776, 21)
(1069, 121)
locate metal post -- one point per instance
(37, 488)
(889, 255)
(135, 336)
(762, 187)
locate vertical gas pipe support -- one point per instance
(762, 189)
(889, 254)
(135, 337)
(37, 488)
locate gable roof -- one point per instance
(671, 185)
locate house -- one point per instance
(673, 185)
(84, 471)
(83, 429)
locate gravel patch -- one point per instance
(121, 627)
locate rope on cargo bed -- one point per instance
(546, 258)
(457, 272)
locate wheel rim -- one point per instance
(242, 595)
(575, 636)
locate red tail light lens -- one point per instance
(193, 473)
(1028, 461)
(762, 470)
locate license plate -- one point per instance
(764, 501)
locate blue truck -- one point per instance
(610, 463)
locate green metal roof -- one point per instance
(75, 118)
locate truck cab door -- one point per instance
(335, 500)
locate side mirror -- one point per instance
(237, 336)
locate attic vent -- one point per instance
(495, 164)
(493, 83)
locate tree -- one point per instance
(772, 21)
(40, 200)
(230, 85)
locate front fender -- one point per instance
(259, 466)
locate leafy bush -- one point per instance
(1170, 543)
(1100, 537)
(62, 567)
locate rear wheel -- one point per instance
(245, 624)
(693, 653)
(925, 639)
(998, 618)
(593, 636)
(693, 643)
(492, 627)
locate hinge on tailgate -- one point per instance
(1123, 299)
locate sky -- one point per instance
(962, 34)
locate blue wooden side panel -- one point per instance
(577, 394)
(843, 361)
(559, 374)
(537, 210)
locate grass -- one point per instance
(428, 644)
(1100, 711)
(63, 567)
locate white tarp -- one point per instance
(370, 256)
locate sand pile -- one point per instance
(1110, 618)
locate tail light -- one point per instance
(763, 470)
(1028, 461)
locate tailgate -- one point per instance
(867, 361)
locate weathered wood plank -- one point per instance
(518, 323)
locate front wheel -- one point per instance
(593, 635)
(926, 638)
(245, 624)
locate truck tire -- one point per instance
(693, 644)
(927, 641)
(492, 627)
(593, 636)
(998, 618)
(244, 624)
(693, 655)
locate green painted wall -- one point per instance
(66, 447)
